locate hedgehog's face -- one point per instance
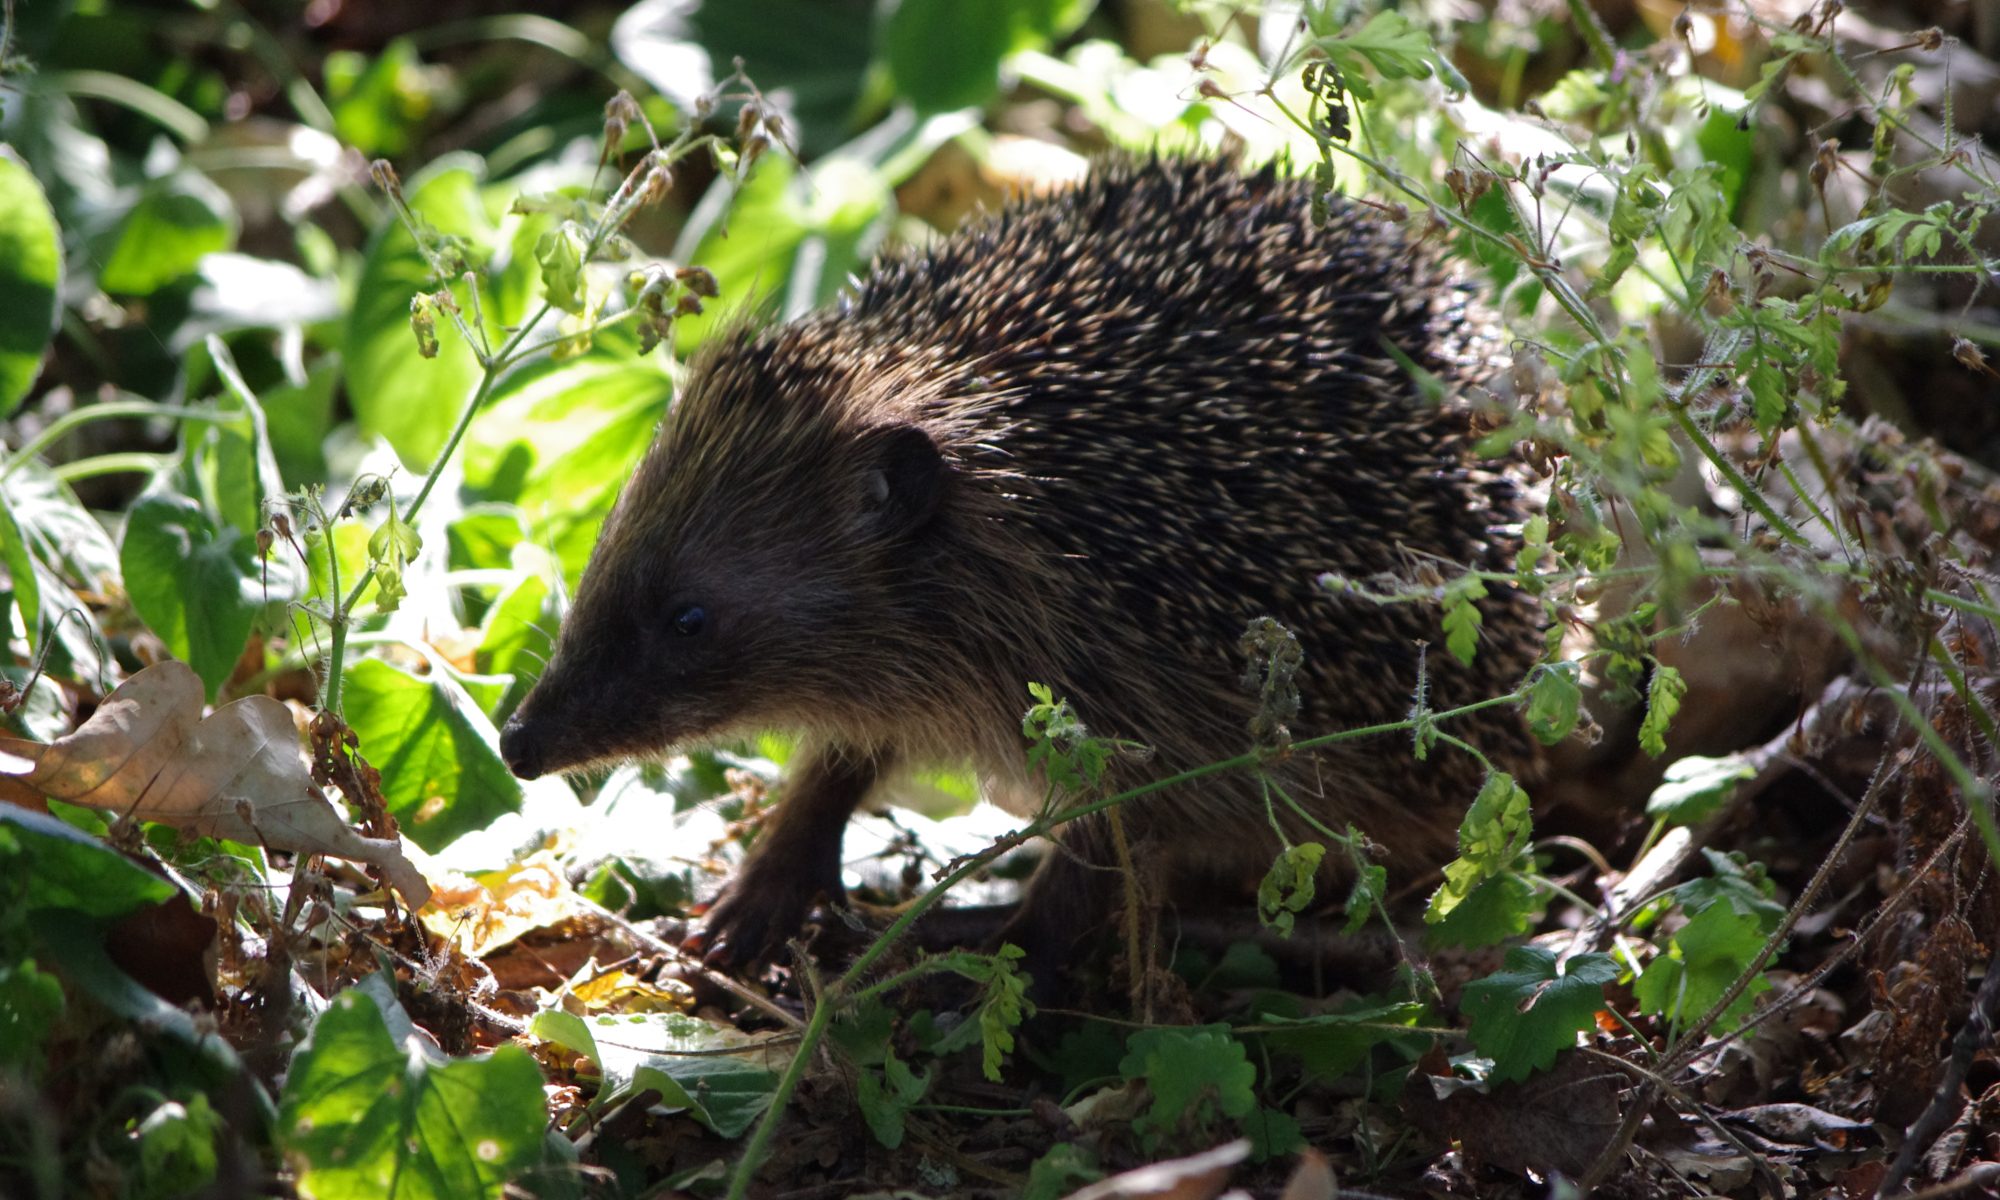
(730, 595)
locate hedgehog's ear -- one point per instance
(905, 479)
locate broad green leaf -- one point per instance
(1703, 960)
(516, 641)
(559, 440)
(22, 584)
(72, 872)
(396, 392)
(180, 217)
(1196, 1076)
(945, 54)
(441, 771)
(682, 1057)
(363, 1117)
(31, 266)
(1331, 1044)
(1694, 787)
(196, 584)
(886, 1097)
(1526, 1012)
(375, 104)
(1498, 908)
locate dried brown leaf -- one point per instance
(148, 752)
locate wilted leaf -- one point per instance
(147, 752)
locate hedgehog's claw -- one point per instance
(765, 904)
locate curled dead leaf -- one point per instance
(238, 773)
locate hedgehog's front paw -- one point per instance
(763, 905)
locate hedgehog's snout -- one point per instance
(521, 747)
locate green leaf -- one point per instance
(562, 252)
(886, 1098)
(1494, 834)
(363, 1117)
(1555, 703)
(1499, 908)
(1391, 43)
(946, 54)
(1003, 1005)
(1461, 616)
(675, 1055)
(516, 641)
(391, 547)
(1693, 787)
(198, 586)
(22, 585)
(376, 104)
(441, 771)
(179, 218)
(31, 267)
(72, 872)
(1195, 1075)
(1703, 960)
(559, 440)
(1332, 1044)
(1663, 700)
(1526, 1012)
(1061, 1171)
(1287, 888)
(1273, 1133)
(31, 1001)
(1371, 885)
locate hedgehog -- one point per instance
(1080, 442)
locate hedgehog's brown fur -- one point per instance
(1081, 443)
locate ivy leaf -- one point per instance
(1529, 1010)
(1491, 839)
(1555, 703)
(1461, 616)
(1195, 1076)
(887, 1097)
(1663, 700)
(1287, 888)
(1704, 958)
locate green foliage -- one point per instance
(886, 1097)
(1693, 787)
(946, 54)
(441, 771)
(362, 1116)
(1555, 702)
(1003, 1004)
(31, 264)
(1287, 888)
(1196, 1077)
(1529, 1010)
(1461, 616)
(1062, 1170)
(1491, 840)
(1060, 748)
(686, 1060)
(1663, 700)
(1703, 960)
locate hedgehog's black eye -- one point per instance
(689, 619)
